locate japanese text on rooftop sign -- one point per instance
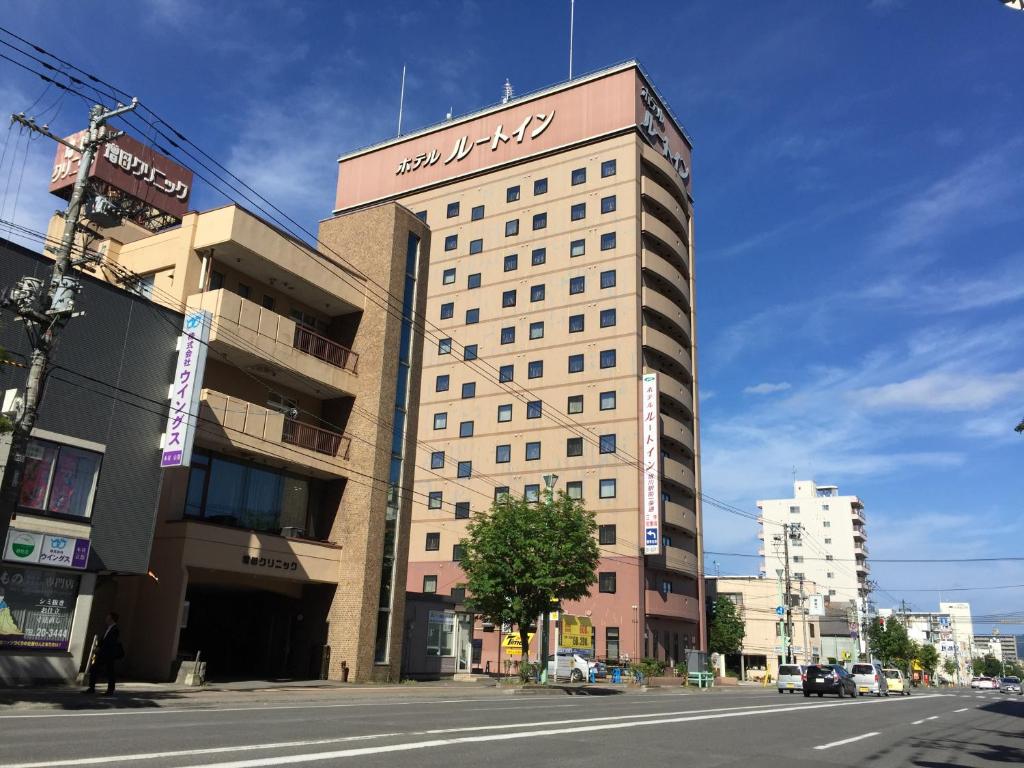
(465, 144)
(68, 161)
(653, 129)
(652, 465)
(185, 388)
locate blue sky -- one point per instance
(859, 194)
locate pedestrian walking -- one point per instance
(108, 651)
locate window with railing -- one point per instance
(315, 439)
(312, 343)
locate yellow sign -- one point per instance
(916, 666)
(576, 632)
(513, 646)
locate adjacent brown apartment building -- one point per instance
(560, 277)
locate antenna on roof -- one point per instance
(506, 94)
(401, 101)
(448, 114)
(572, 20)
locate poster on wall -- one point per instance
(37, 608)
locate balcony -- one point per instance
(261, 341)
(678, 473)
(674, 559)
(679, 432)
(656, 164)
(859, 533)
(671, 606)
(665, 238)
(668, 206)
(239, 427)
(672, 352)
(863, 567)
(671, 313)
(860, 550)
(681, 517)
(858, 513)
(666, 276)
(670, 387)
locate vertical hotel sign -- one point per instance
(183, 416)
(652, 464)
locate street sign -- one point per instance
(780, 611)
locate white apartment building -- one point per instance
(950, 630)
(827, 542)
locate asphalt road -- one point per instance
(748, 727)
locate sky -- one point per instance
(858, 175)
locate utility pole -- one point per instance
(46, 312)
(787, 531)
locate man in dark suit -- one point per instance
(108, 651)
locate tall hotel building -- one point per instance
(560, 276)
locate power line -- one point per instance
(1006, 558)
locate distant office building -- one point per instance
(560, 302)
(1003, 647)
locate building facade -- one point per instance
(1003, 647)
(86, 509)
(561, 274)
(949, 630)
(279, 547)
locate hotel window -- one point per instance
(434, 499)
(607, 241)
(574, 446)
(608, 401)
(511, 262)
(465, 469)
(475, 246)
(608, 278)
(608, 204)
(444, 346)
(447, 310)
(448, 276)
(531, 492)
(465, 429)
(502, 454)
(501, 493)
(534, 409)
(441, 383)
(535, 369)
(437, 460)
(451, 242)
(575, 404)
(456, 552)
(512, 194)
(461, 510)
(508, 335)
(430, 584)
(469, 390)
(607, 358)
(607, 168)
(540, 187)
(577, 284)
(473, 281)
(505, 412)
(477, 213)
(540, 221)
(441, 420)
(578, 211)
(575, 363)
(469, 352)
(453, 210)
(532, 451)
(537, 330)
(472, 316)
(61, 480)
(611, 642)
(606, 582)
(506, 373)
(606, 534)
(539, 256)
(577, 248)
(508, 298)
(579, 176)
(574, 489)
(511, 227)
(537, 292)
(575, 323)
(607, 318)
(422, 216)
(607, 444)
(606, 488)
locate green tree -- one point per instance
(521, 556)
(950, 668)
(890, 644)
(726, 633)
(929, 658)
(988, 665)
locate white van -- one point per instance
(571, 667)
(870, 679)
(791, 677)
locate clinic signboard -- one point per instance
(37, 608)
(46, 549)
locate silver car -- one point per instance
(1010, 685)
(870, 679)
(791, 677)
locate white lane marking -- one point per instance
(933, 717)
(847, 741)
(697, 714)
(917, 722)
(961, 710)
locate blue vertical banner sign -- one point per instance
(183, 414)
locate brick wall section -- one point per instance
(374, 241)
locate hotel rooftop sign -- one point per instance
(602, 104)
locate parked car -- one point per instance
(896, 682)
(983, 682)
(1010, 685)
(870, 679)
(575, 668)
(830, 679)
(791, 677)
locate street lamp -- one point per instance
(549, 485)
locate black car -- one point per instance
(829, 678)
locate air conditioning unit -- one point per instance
(293, 532)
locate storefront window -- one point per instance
(37, 607)
(58, 479)
(441, 633)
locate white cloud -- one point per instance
(943, 391)
(767, 388)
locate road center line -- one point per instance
(961, 710)
(847, 741)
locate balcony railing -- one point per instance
(312, 343)
(315, 439)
